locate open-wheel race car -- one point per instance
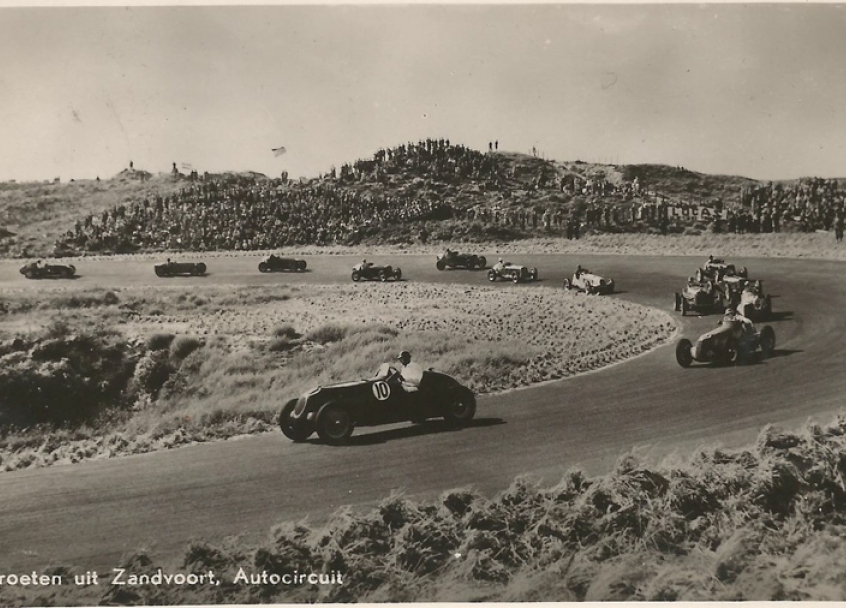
(702, 296)
(453, 259)
(335, 410)
(731, 342)
(586, 281)
(173, 269)
(717, 269)
(274, 263)
(512, 272)
(371, 272)
(37, 270)
(754, 304)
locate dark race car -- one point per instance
(702, 296)
(273, 263)
(335, 410)
(729, 343)
(37, 270)
(453, 259)
(370, 272)
(173, 269)
(512, 272)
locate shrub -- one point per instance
(331, 332)
(159, 341)
(182, 346)
(286, 331)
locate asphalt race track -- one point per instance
(88, 515)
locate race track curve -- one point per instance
(87, 515)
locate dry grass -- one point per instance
(764, 523)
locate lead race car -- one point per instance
(370, 272)
(453, 259)
(274, 263)
(731, 342)
(512, 272)
(37, 270)
(702, 296)
(586, 281)
(173, 269)
(717, 269)
(754, 304)
(336, 409)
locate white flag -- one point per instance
(279, 151)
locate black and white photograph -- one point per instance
(413, 303)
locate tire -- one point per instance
(295, 433)
(200, 268)
(440, 264)
(263, 267)
(768, 342)
(567, 284)
(491, 276)
(334, 425)
(534, 274)
(743, 272)
(71, 271)
(677, 305)
(301, 265)
(160, 272)
(397, 274)
(461, 409)
(482, 262)
(516, 278)
(383, 276)
(29, 274)
(355, 276)
(684, 307)
(683, 355)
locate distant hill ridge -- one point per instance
(34, 215)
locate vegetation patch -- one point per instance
(762, 523)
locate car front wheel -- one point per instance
(293, 431)
(684, 356)
(334, 424)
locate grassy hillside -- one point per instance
(34, 215)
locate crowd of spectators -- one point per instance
(245, 214)
(811, 203)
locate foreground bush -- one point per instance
(763, 523)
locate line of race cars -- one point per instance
(721, 287)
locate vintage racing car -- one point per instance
(336, 409)
(453, 259)
(368, 271)
(172, 269)
(729, 343)
(273, 263)
(586, 281)
(717, 269)
(703, 296)
(512, 272)
(37, 270)
(753, 303)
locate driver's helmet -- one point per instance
(730, 312)
(404, 357)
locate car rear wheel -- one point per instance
(397, 274)
(356, 276)
(534, 274)
(491, 275)
(482, 262)
(440, 265)
(200, 268)
(383, 276)
(684, 306)
(768, 341)
(71, 270)
(684, 356)
(677, 303)
(334, 424)
(161, 272)
(291, 429)
(461, 409)
(263, 267)
(301, 265)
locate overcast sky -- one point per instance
(755, 90)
